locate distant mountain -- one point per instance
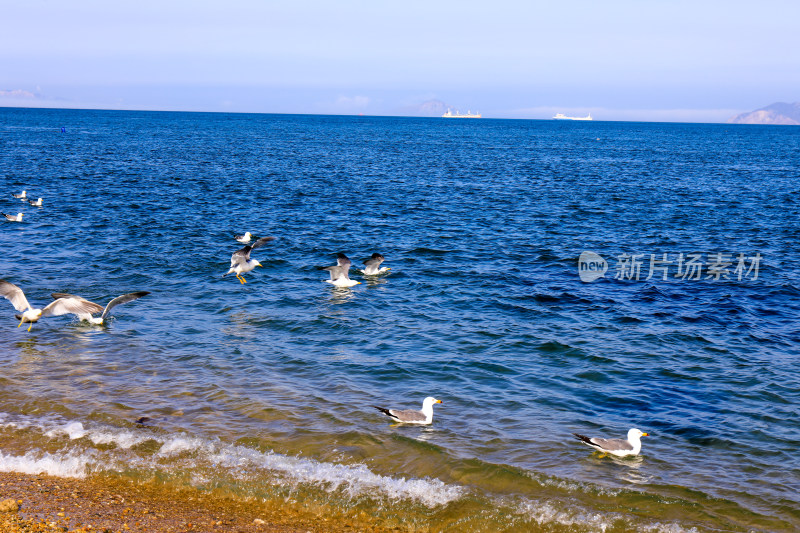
(431, 108)
(777, 113)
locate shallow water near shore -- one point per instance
(265, 389)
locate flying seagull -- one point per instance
(71, 304)
(12, 218)
(37, 203)
(31, 314)
(372, 266)
(244, 239)
(618, 447)
(241, 262)
(410, 416)
(21, 195)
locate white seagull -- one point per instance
(13, 218)
(340, 272)
(76, 305)
(31, 314)
(37, 203)
(21, 195)
(244, 239)
(410, 416)
(618, 447)
(241, 262)
(372, 266)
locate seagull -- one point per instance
(21, 195)
(12, 218)
(31, 314)
(244, 239)
(241, 262)
(618, 447)
(76, 305)
(340, 273)
(37, 203)
(372, 265)
(410, 416)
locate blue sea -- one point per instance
(684, 324)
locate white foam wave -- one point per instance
(75, 430)
(353, 479)
(544, 513)
(62, 465)
(236, 460)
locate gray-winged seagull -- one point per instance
(372, 266)
(340, 272)
(61, 306)
(618, 447)
(410, 416)
(241, 262)
(76, 305)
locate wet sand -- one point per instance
(47, 503)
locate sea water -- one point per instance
(681, 320)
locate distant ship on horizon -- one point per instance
(469, 114)
(562, 116)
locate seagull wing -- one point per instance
(403, 415)
(57, 295)
(261, 242)
(336, 272)
(131, 296)
(610, 445)
(343, 261)
(14, 294)
(241, 256)
(73, 306)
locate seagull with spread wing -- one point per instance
(64, 304)
(71, 304)
(241, 262)
(340, 272)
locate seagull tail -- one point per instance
(583, 438)
(382, 410)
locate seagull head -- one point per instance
(634, 434)
(257, 263)
(429, 401)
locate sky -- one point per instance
(650, 60)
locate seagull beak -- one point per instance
(438, 401)
(645, 434)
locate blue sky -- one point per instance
(620, 60)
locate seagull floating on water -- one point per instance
(340, 273)
(21, 195)
(37, 203)
(13, 218)
(241, 262)
(244, 239)
(76, 305)
(372, 266)
(618, 447)
(410, 416)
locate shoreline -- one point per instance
(114, 504)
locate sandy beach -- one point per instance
(31, 503)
